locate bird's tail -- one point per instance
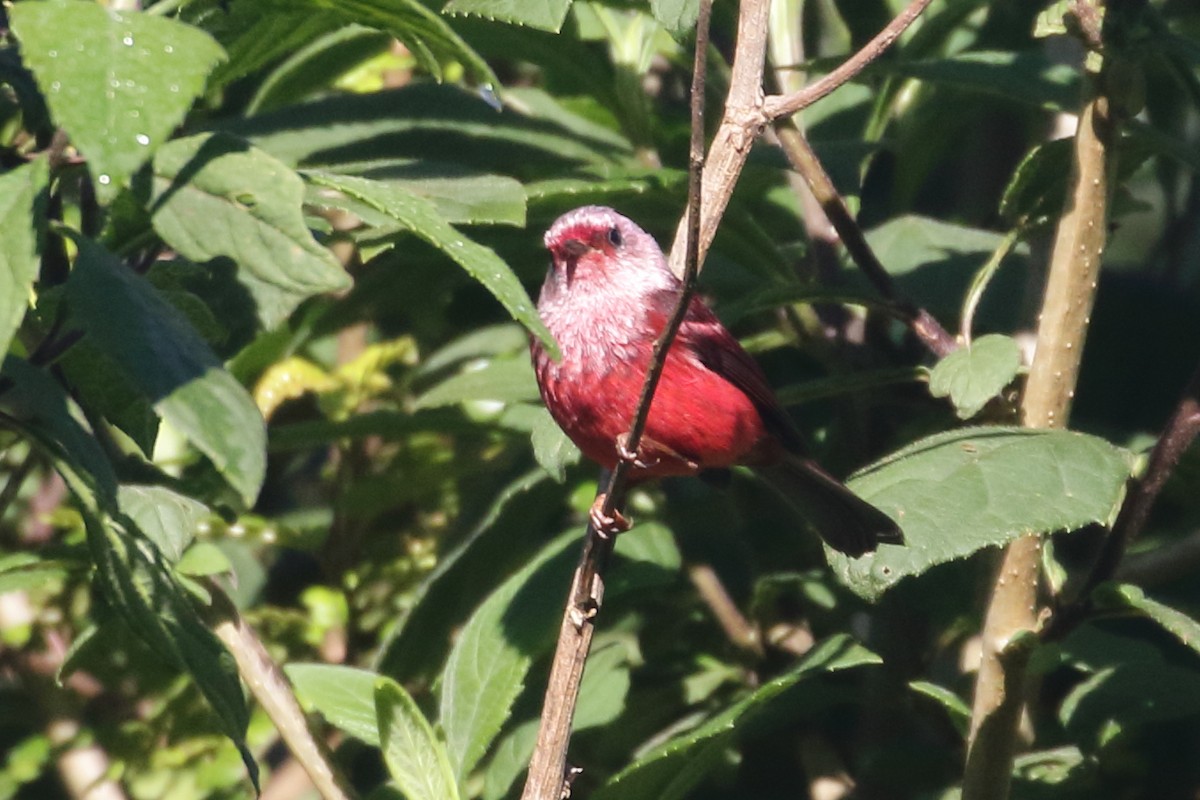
(845, 521)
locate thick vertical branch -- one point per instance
(1066, 309)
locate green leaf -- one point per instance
(427, 121)
(418, 215)
(167, 360)
(547, 15)
(22, 218)
(310, 69)
(215, 197)
(958, 711)
(956, 492)
(605, 686)
(677, 16)
(415, 758)
(670, 770)
(487, 667)
(117, 82)
(1026, 77)
(502, 380)
(204, 558)
(1124, 595)
(345, 696)
(1037, 189)
(38, 406)
(552, 448)
(974, 374)
(168, 518)
(934, 262)
(138, 583)
(27, 571)
(460, 195)
(426, 35)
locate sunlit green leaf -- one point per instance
(956, 492)
(117, 81)
(22, 195)
(974, 374)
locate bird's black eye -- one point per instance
(614, 237)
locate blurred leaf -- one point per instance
(22, 195)
(165, 358)
(344, 696)
(117, 82)
(975, 373)
(168, 518)
(1123, 595)
(261, 33)
(956, 492)
(605, 686)
(548, 15)
(510, 758)
(418, 215)
(426, 35)
(487, 667)
(1027, 77)
(460, 195)
(312, 67)
(425, 121)
(670, 770)
(552, 448)
(503, 380)
(956, 708)
(934, 263)
(677, 16)
(21, 571)
(204, 558)
(215, 197)
(415, 758)
(1037, 189)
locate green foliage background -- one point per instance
(265, 296)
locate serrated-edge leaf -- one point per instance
(139, 584)
(668, 771)
(416, 759)
(345, 696)
(22, 191)
(170, 519)
(419, 216)
(486, 669)
(117, 82)
(168, 361)
(974, 374)
(1183, 627)
(956, 492)
(215, 197)
(546, 15)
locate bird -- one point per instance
(607, 296)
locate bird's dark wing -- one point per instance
(716, 348)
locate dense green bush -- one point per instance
(328, 215)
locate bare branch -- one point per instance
(778, 106)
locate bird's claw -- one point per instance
(607, 526)
(633, 457)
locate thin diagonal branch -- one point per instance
(549, 777)
(778, 106)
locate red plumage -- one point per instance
(606, 299)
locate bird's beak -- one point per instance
(575, 247)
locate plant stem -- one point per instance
(1046, 403)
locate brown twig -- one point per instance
(805, 162)
(740, 631)
(549, 777)
(1181, 430)
(785, 105)
(274, 694)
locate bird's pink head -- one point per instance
(599, 238)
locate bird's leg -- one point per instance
(607, 526)
(651, 453)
